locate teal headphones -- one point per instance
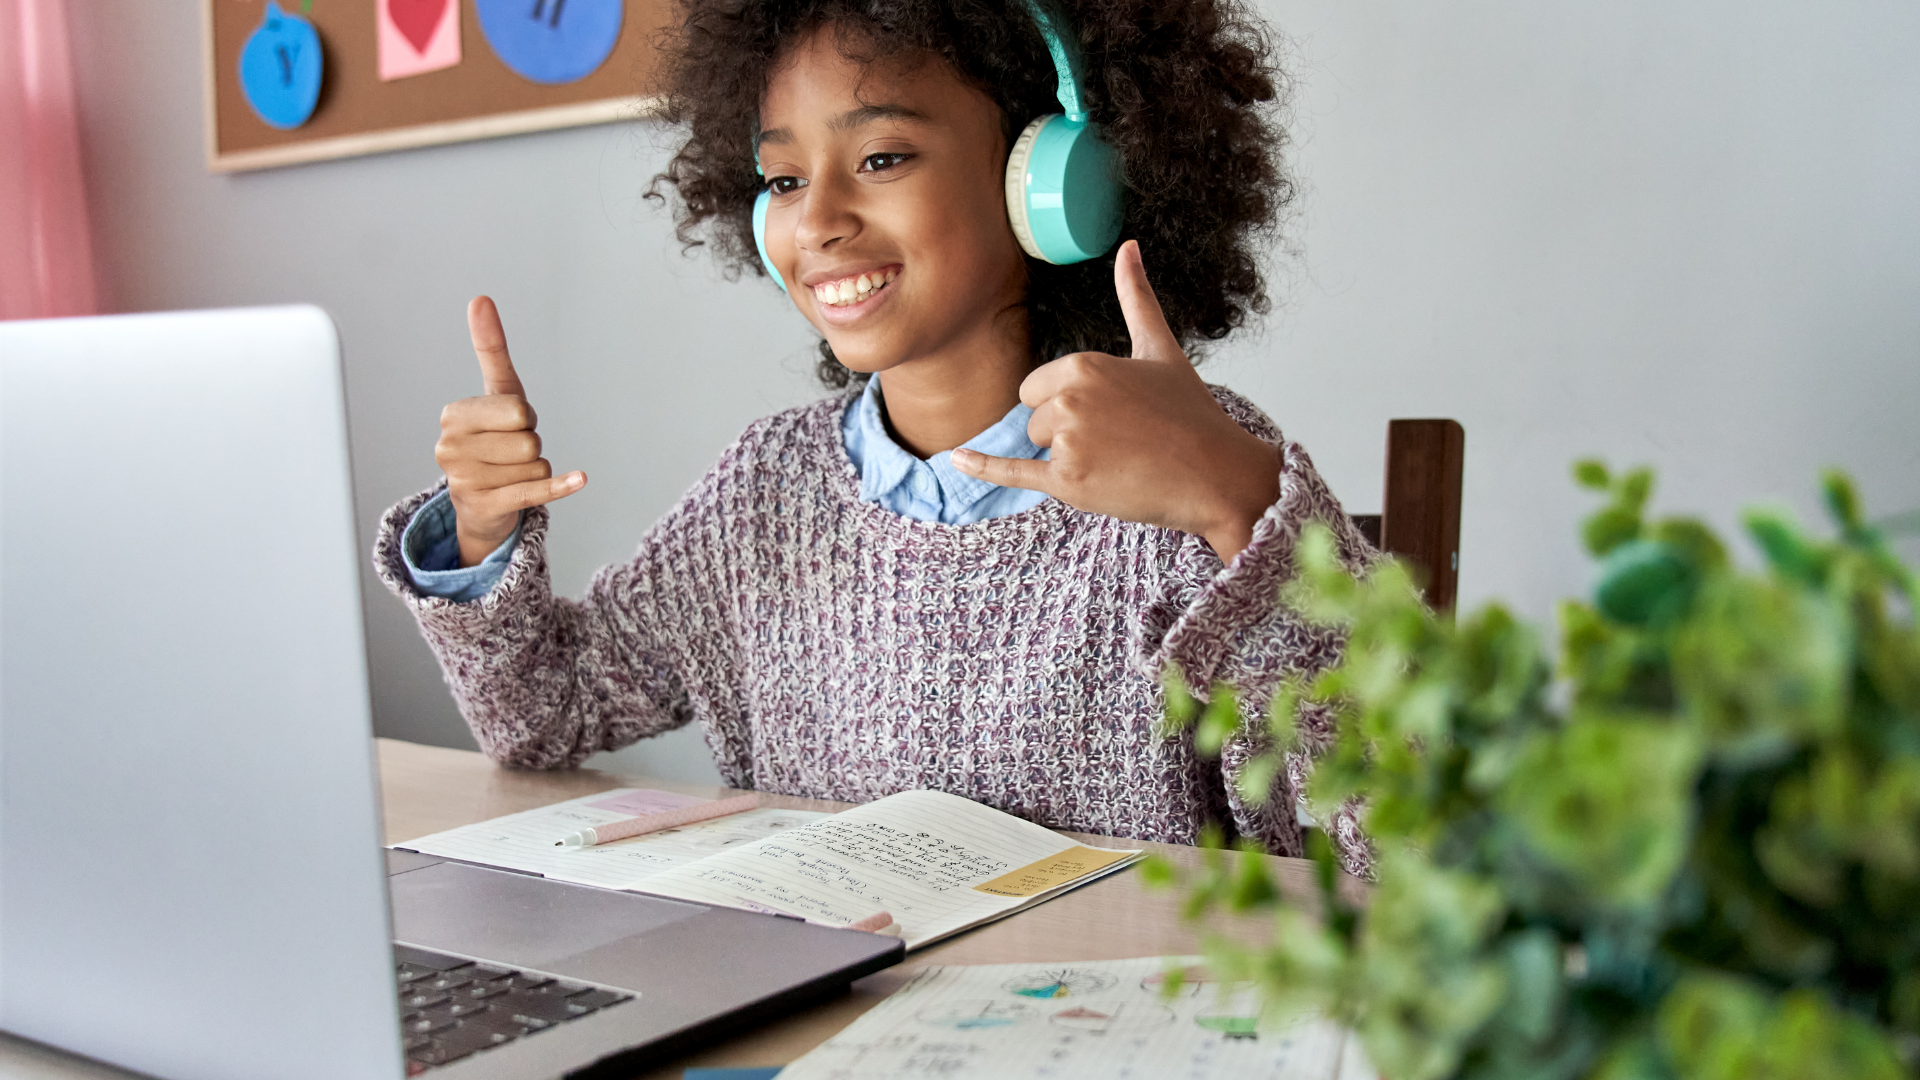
(1063, 179)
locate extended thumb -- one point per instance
(1147, 325)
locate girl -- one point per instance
(970, 569)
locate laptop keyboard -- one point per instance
(451, 1007)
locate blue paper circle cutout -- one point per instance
(551, 41)
(280, 69)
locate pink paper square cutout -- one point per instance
(417, 36)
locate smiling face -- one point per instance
(888, 220)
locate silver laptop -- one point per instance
(191, 878)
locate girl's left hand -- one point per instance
(1140, 437)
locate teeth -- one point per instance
(853, 289)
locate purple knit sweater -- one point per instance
(835, 650)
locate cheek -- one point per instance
(966, 235)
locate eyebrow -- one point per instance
(846, 121)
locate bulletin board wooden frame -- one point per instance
(478, 98)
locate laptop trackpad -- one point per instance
(516, 919)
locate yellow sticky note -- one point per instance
(1053, 870)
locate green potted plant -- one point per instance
(1688, 851)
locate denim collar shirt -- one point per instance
(933, 490)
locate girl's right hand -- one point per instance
(488, 448)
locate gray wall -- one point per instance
(1682, 234)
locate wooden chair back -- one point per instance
(1420, 515)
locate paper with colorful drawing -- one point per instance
(1100, 1020)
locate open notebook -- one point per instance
(937, 863)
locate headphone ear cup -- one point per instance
(1017, 161)
(760, 237)
(1063, 191)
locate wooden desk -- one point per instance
(427, 789)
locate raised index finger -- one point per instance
(490, 345)
(1146, 324)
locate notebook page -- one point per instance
(921, 856)
(1101, 1020)
(525, 841)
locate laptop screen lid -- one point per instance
(189, 805)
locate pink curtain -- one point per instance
(46, 250)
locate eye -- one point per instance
(785, 185)
(882, 162)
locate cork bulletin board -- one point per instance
(292, 81)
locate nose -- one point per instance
(829, 213)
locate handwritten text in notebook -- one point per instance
(917, 855)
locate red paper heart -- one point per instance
(416, 19)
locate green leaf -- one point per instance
(1780, 540)
(1182, 708)
(1157, 873)
(1610, 527)
(1634, 489)
(1592, 473)
(1257, 776)
(1219, 722)
(1643, 581)
(1843, 502)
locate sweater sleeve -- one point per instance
(546, 682)
(1225, 625)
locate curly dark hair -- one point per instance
(1185, 90)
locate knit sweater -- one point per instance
(832, 649)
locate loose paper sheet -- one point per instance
(920, 856)
(524, 841)
(416, 36)
(1100, 1020)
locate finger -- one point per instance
(494, 477)
(499, 412)
(1049, 379)
(539, 492)
(500, 447)
(1041, 425)
(1034, 475)
(1146, 323)
(490, 345)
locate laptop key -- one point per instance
(422, 999)
(464, 1007)
(406, 973)
(526, 980)
(538, 1010)
(595, 999)
(498, 1024)
(446, 980)
(426, 1023)
(481, 990)
(415, 1042)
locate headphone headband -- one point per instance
(1067, 81)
